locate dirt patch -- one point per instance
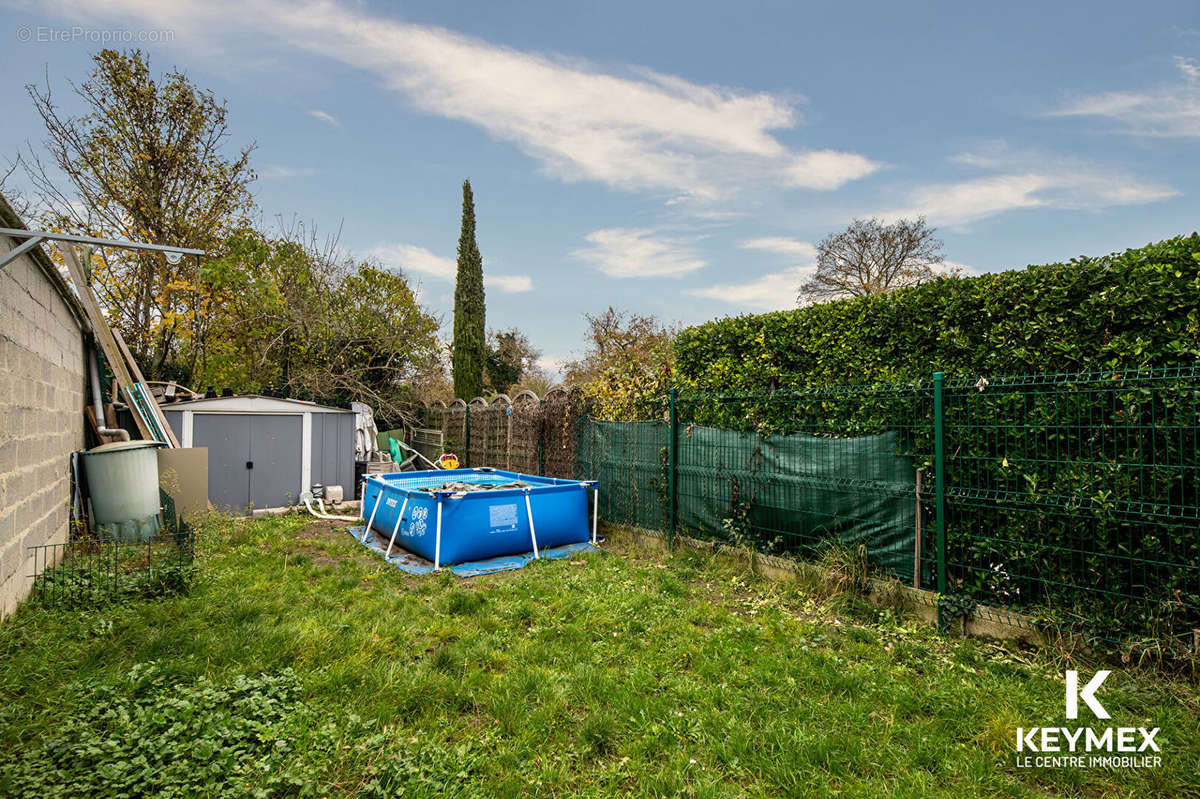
(316, 540)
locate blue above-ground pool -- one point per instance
(448, 527)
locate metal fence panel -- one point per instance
(1071, 500)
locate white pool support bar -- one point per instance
(595, 511)
(532, 532)
(396, 529)
(374, 509)
(437, 542)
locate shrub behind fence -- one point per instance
(1072, 499)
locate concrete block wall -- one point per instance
(42, 390)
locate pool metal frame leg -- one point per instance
(595, 511)
(532, 532)
(396, 529)
(437, 542)
(374, 510)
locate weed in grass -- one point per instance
(465, 603)
(844, 570)
(598, 733)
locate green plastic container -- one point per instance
(123, 486)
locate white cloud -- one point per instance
(509, 284)
(280, 172)
(633, 252)
(637, 131)
(956, 268)
(1026, 180)
(325, 116)
(411, 258)
(1171, 111)
(552, 366)
(418, 260)
(777, 291)
(1189, 68)
(827, 169)
(774, 291)
(782, 246)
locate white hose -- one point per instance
(307, 499)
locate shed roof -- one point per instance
(251, 403)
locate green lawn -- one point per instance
(300, 664)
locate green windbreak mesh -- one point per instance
(779, 493)
(629, 460)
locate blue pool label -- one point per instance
(502, 518)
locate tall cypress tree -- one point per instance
(470, 343)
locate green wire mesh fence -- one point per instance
(1075, 498)
(88, 571)
(1066, 500)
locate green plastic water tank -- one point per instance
(123, 486)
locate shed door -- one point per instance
(275, 448)
(333, 450)
(227, 437)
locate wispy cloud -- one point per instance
(553, 366)
(638, 252)
(418, 260)
(956, 268)
(793, 248)
(1169, 111)
(1023, 180)
(777, 291)
(773, 291)
(411, 258)
(630, 129)
(510, 284)
(1189, 68)
(280, 172)
(325, 117)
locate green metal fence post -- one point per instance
(672, 454)
(939, 466)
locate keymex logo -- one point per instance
(1087, 747)
(1088, 694)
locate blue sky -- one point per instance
(672, 158)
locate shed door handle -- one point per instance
(249, 464)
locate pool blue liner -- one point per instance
(546, 513)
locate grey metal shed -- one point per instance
(264, 451)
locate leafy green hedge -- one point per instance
(1137, 308)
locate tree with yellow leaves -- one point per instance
(146, 161)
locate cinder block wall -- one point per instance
(42, 385)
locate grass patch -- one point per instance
(295, 666)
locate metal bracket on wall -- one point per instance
(36, 237)
(19, 250)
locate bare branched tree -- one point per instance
(870, 257)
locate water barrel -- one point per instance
(123, 486)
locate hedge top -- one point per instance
(1132, 309)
